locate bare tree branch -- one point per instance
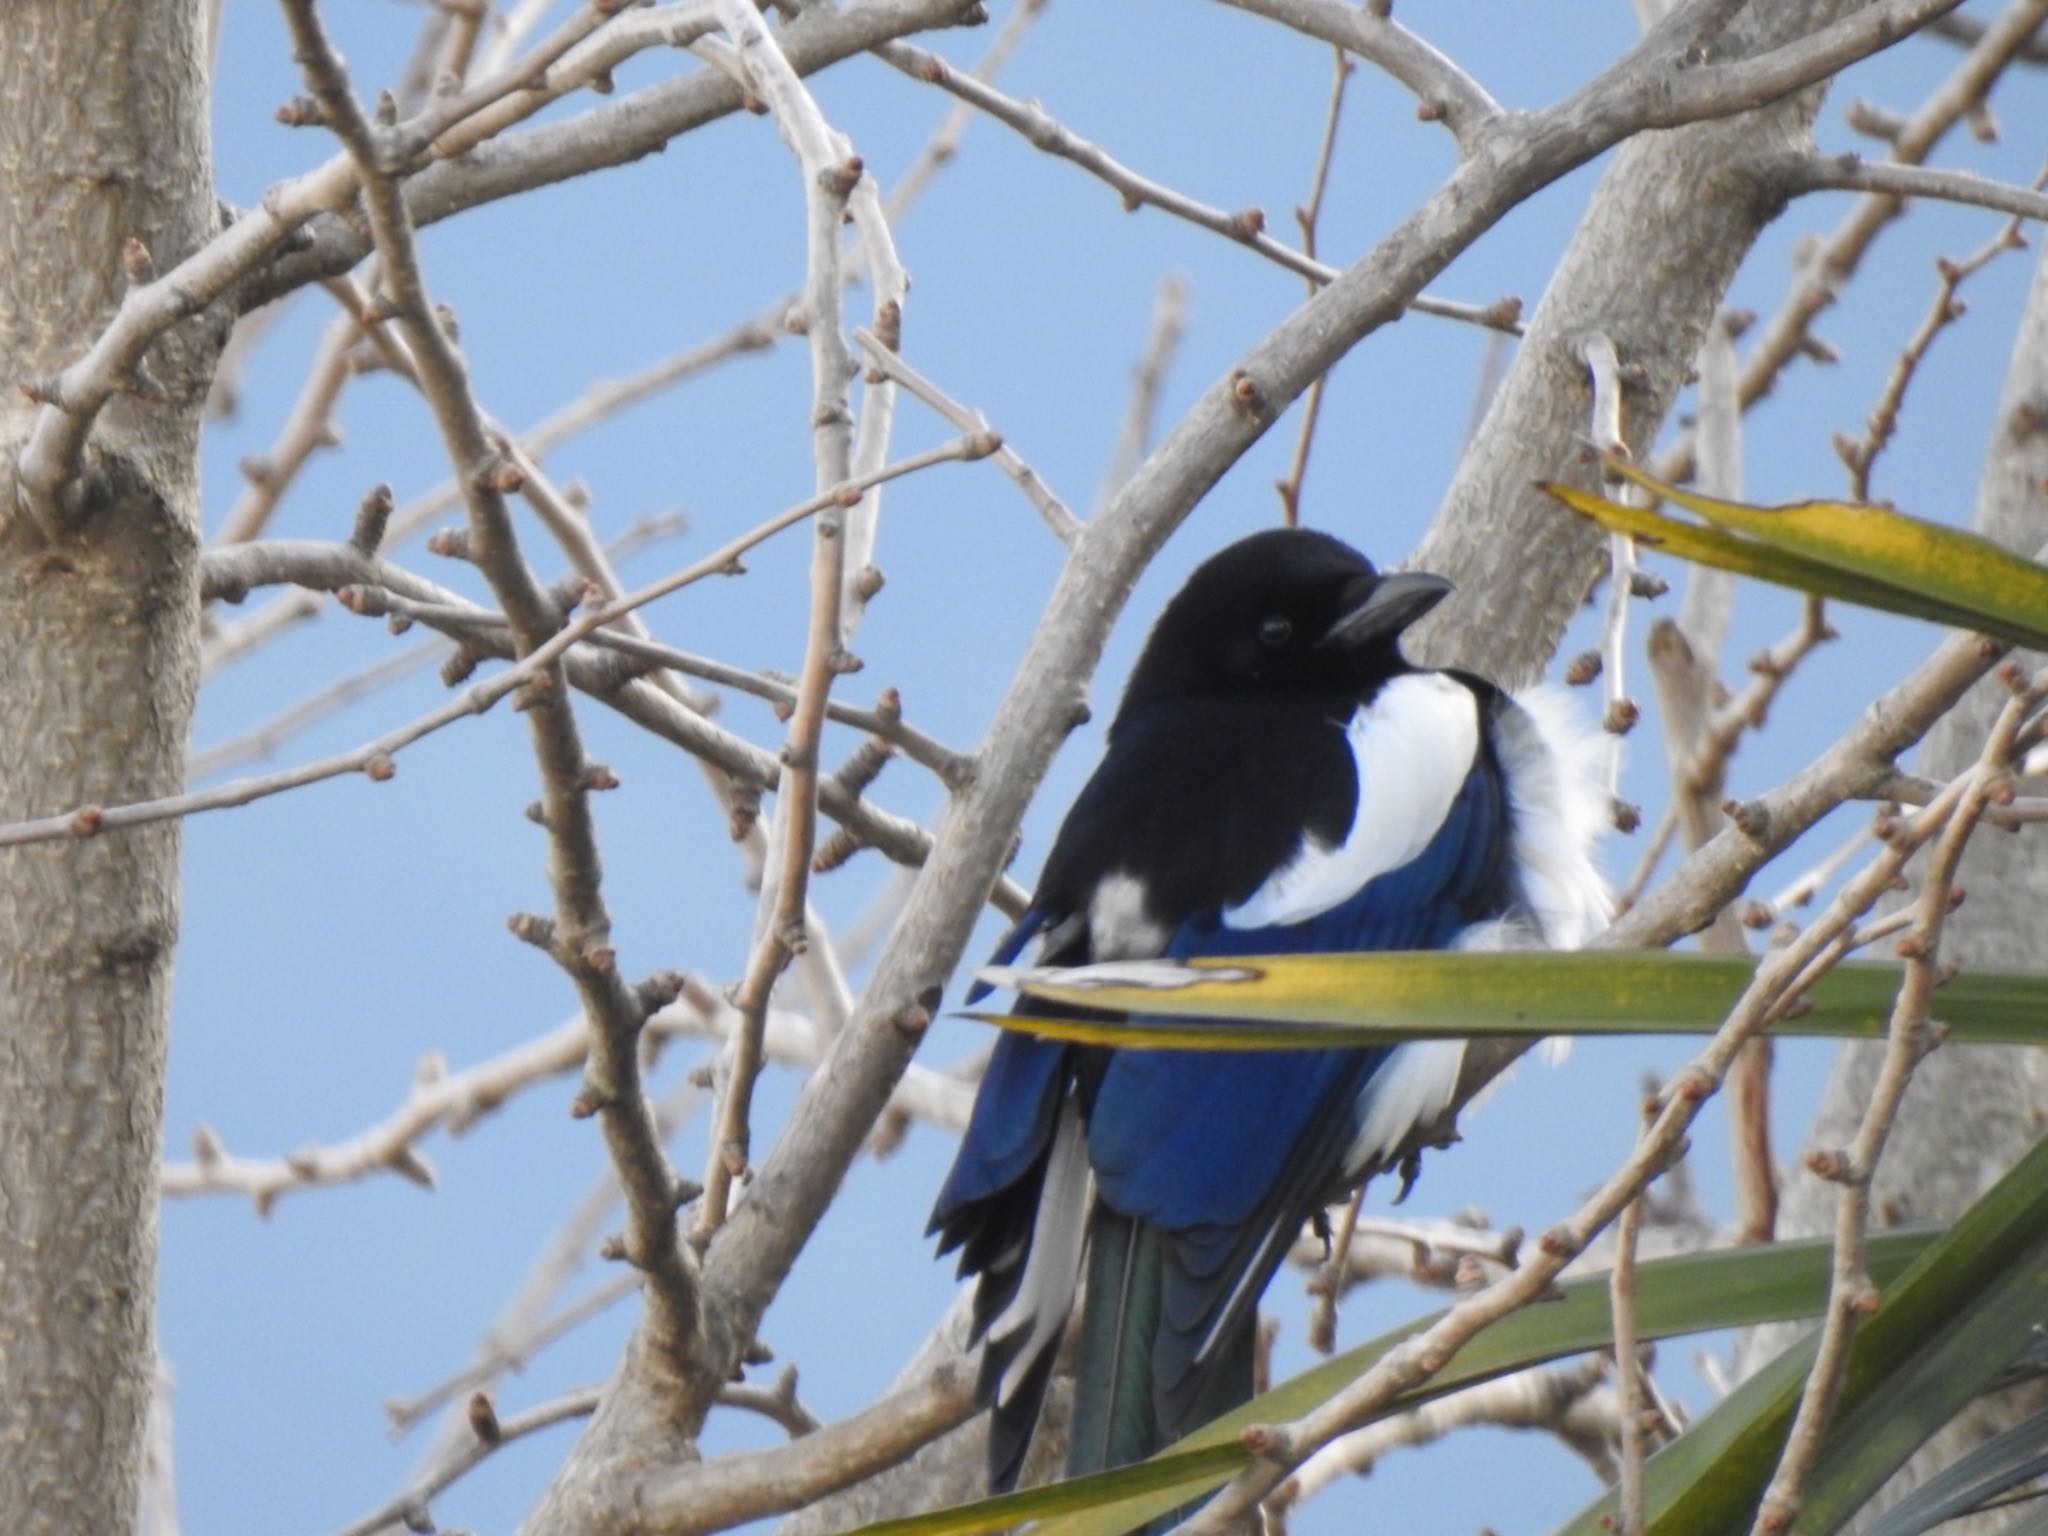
(1247, 227)
(1851, 1294)
(1798, 174)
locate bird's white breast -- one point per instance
(1413, 746)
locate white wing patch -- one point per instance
(1413, 746)
(1052, 1272)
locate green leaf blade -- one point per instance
(1292, 1002)
(1689, 1294)
(1970, 1301)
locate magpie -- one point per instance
(1278, 778)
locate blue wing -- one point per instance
(1009, 947)
(1231, 1152)
(1013, 1113)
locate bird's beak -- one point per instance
(1394, 603)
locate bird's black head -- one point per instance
(1285, 611)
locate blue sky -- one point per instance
(333, 936)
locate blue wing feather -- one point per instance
(1011, 1125)
(1156, 1160)
(1229, 1151)
(1009, 947)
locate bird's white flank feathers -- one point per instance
(1559, 807)
(1414, 745)
(1052, 1272)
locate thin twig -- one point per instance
(830, 175)
(567, 62)
(1573, 1401)
(1425, 1252)
(1851, 1294)
(1835, 258)
(1279, 1448)
(885, 720)
(526, 1323)
(157, 1498)
(263, 741)
(939, 149)
(1334, 1277)
(701, 1497)
(1861, 455)
(72, 401)
(1621, 1291)
(339, 568)
(1443, 92)
(458, 1101)
(598, 403)
(1770, 669)
(1685, 668)
(1308, 215)
(2020, 811)
(1968, 30)
(376, 757)
(777, 1403)
(1049, 506)
(514, 1355)
(1603, 366)
(1852, 173)
(579, 939)
(409, 1509)
(1162, 341)
(1247, 227)
(309, 426)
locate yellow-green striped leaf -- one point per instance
(1288, 1002)
(1748, 557)
(1868, 555)
(1691, 1294)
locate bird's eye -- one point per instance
(1275, 630)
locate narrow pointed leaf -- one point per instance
(1969, 1304)
(1950, 565)
(1693, 1293)
(1749, 557)
(2019, 1455)
(1288, 1002)
(1912, 1392)
(1870, 556)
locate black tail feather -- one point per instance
(1011, 1424)
(1114, 1420)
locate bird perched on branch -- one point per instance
(1278, 779)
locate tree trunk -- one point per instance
(106, 140)
(1671, 221)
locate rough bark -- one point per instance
(105, 138)
(1969, 1113)
(1669, 224)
